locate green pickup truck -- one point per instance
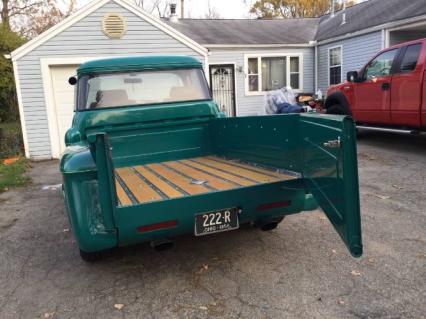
(149, 157)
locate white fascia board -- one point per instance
(239, 46)
(393, 24)
(58, 28)
(21, 109)
(93, 6)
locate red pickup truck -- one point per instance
(388, 92)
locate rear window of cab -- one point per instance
(141, 88)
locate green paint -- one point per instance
(104, 139)
(138, 63)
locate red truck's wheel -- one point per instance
(337, 109)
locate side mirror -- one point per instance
(352, 76)
(72, 80)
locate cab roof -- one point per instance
(138, 63)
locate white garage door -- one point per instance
(63, 100)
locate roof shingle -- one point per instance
(298, 31)
(248, 31)
(368, 14)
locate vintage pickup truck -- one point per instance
(149, 157)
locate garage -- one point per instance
(63, 105)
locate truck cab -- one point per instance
(389, 91)
(150, 157)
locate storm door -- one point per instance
(223, 87)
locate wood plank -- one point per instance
(237, 170)
(141, 190)
(177, 179)
(168, 190)
(251, 167)
(239, 180)
(212, 181)
(122, 195)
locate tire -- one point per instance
(337, 109)
(91, 257)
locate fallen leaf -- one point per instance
(119, 306)
(323, 218)
(48, 314)
(11, 160)
(371, 260)
(51, 187)
(340, 302)
(381, 196)
(355, 273)
(334, 251)
(397, 187)
(66, 230)
(203, 269)
(202, 307)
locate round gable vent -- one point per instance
(114, 25)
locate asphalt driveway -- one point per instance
(300, 270)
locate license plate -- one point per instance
(216, 221)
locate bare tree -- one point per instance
(45, 18)
(211, 12)
(158, 7)
(32, 17)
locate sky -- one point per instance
(230, 9)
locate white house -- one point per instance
(242, 58)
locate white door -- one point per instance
(63, 102)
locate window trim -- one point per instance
(341, 63)
(259, 57)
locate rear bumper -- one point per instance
(257, 203)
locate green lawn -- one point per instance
(13, 175)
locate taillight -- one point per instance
(272, 205)
(162, 225)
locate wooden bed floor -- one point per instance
(198, 175)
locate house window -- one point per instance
(272, 72)
(335, 65)
(253, 74)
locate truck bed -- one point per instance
(199, 175)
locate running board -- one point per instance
(385, 129)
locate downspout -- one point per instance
(316, 68)
(315, 44)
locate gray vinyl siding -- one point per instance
(253, 105)
(85, 39)
(356, 52)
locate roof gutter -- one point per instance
(275, 45)
(389, 25)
